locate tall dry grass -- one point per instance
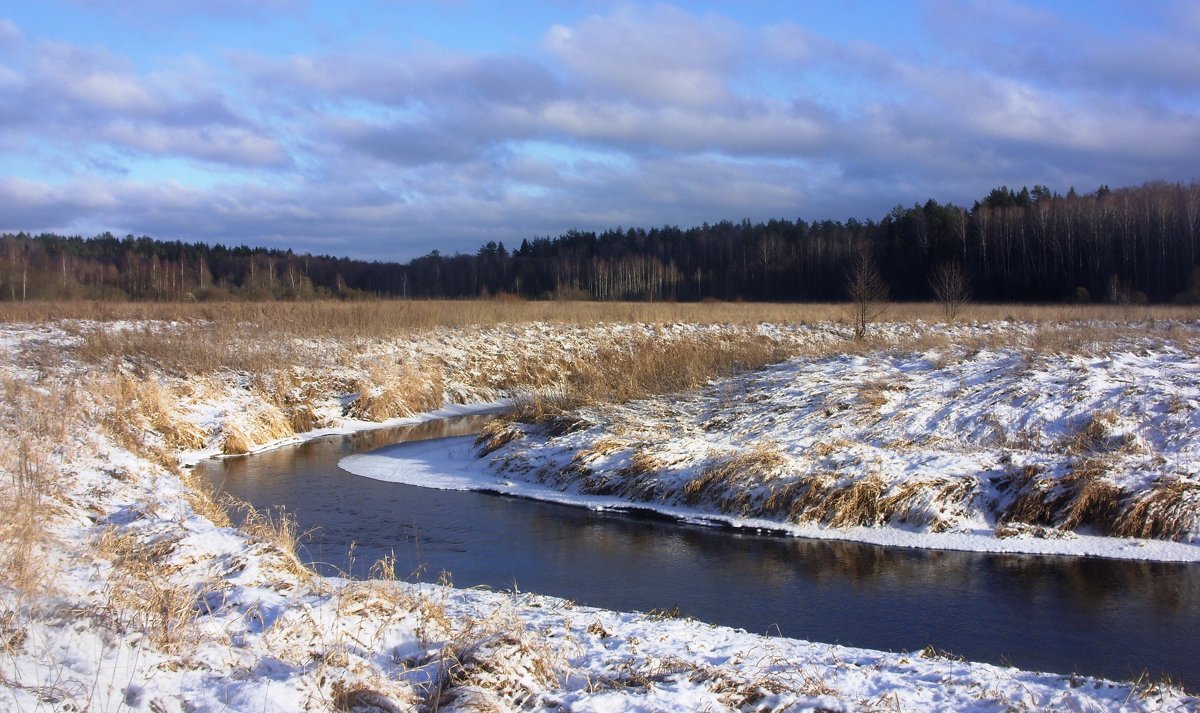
(643, 367)
(36, 446)
(388, 318)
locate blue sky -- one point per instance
(389, 128)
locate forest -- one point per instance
(1136, 244)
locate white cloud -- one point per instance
(10, 34)
(662, 55)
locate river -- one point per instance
(1097, 617)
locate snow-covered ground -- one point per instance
(124, 589)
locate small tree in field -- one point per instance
(951, 287)
(868, 293)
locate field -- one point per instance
(126, 587)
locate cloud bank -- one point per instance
(643, 115)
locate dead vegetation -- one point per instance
(391, 390)
(1169, 509)
(497, 434)
(642, 367)
(1084, 497)
(727, 482)
(492, 663)
(262, 422)
(872, 501)
(36, 446)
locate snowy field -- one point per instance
(126, 588)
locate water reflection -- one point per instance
(1100, 617)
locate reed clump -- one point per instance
(1169, 509)
(261, 423)
(276, 528)
(296, 395)
(496, 434)
(871, 500)
(391, 318)
(37, 449)
(393, 390)
(1084, 496)
(493, 663)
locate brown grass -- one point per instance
(262, 423)
(36, 450)
(859, 503)
(727, 481)
(871, 501)
(1082, 497)
(295, 396)
(1097, 436)
(1094, 500)
(393, 390)
(277, 529)
(388, 318)
(493, 663)
(646, 366)
(496, 434)
(933, 503)
(1170, 510)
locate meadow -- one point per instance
(112, 551)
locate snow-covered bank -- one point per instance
(1001, 450)
(347, 427)
(123, 587)
(452, 464)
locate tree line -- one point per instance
(1129, 244)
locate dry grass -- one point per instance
(858, 503)
(875, 393)
(1082, 497)
(388, 318)
(727, 481)
(261, 423)
(1170, 510)
(493, 663)
(1098, 436)
(496, 434)
(295, 396)
(643, 367)
(933, 503)
(36, 448)
(392, 390)
(277, 529)
(871, 500)
(141, 594)
(1094, 501)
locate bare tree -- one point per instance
(868, 292)
(951, 288)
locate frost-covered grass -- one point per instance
(125, 587)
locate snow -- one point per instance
(143, 603)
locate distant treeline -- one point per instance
(1130, 244)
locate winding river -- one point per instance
(1108, 618)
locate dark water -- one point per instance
(1090, 616)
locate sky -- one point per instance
(384, 129)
